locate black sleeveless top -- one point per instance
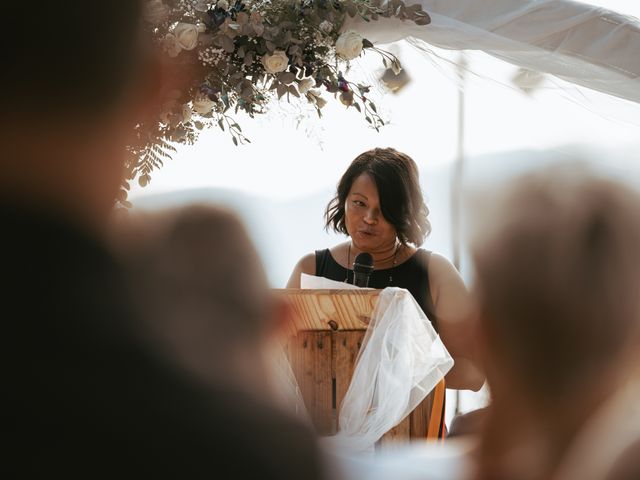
(412, 274)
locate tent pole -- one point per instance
(456, 178)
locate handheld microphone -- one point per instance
(362, 269)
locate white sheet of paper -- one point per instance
(321, 283)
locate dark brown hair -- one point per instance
(396, 177)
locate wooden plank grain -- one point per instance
(330, 309)
(419, 419)
(347, 345)
(311, 364)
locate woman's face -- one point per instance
(369, 230)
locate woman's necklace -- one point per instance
(394, 256)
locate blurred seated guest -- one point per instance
(557, 272)
(83, 394)
(202, 294)
(380, 208)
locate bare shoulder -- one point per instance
(306, 264)
(440, 266)
(444, 278)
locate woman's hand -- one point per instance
(455, 313)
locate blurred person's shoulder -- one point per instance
(270, 442)
(83, 388)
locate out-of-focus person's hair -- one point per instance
(557, 274)
(396, 177)
(198, 285)
(68, 56)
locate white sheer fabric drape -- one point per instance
(579, 43)
(400, 362)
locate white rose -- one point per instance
(326, 26)
(349, 45)
(187, 35)
(171, 45)
(305, 85)
(155, 12)
(275, 63)
(202, 104)
(223, 4)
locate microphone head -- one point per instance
(363, 263)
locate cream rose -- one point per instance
(155, 12)
(171, 45)
(275, 63)
(223, 4)
(187, 35)
(349, 45)
(202, 104)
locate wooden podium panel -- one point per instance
(310, 356)
(327, 333)
(331, 309)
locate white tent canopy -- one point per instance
(579, 43)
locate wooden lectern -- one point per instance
(327, 334)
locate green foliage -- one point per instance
(242, 55)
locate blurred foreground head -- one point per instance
(200, 287)
(557, 277)
(72, 88)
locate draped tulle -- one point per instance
(401, 361)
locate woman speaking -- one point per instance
(379, 206)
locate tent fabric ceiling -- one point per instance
(580, 43)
